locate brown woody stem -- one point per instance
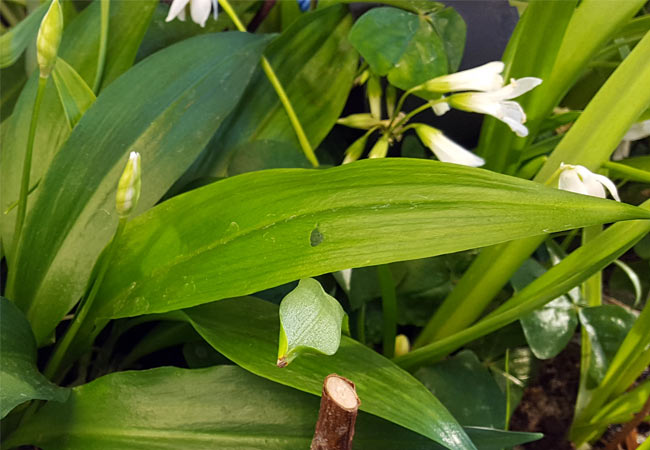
(337, 416)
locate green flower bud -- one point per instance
(380, 149)
(362, 121)
(402, 345)
(355, 150)
(128, 189)
(49, 38)
(373, 89)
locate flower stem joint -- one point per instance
(49, 38)
(128, 188)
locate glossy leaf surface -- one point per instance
(20, 379)
(467, 389)
(550, 328)
(245, 330)
(169, 122)
(259, 230)
(401, 45)
(219, 407)
(606, 326)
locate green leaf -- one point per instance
(310, 320)
(401, 45)
(550, 328)
(219, 407)
(245, 330)
(177, 98)
(14, 42)
(20, 379)
(606, 326)
(573, 270)
(316, 66)
(265, 154)
(452, 30)
(467, 389)
(13, 79)
(301, 223)
(78, 48)
(75, 95)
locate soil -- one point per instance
(548, 402)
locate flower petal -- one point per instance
(570, 181)
(215, 9)
(483, 78)
(177, 10)
(611, 187)
(200, 11)
(638, 131)
(517, 87)
(518, 128)
(445, 149)
(440, 108)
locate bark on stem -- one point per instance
(337, 416)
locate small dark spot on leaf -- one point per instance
(316, 237)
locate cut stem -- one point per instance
(27, 164)
(337, 416)
(389, 309)
(279, 90)
(53, 370)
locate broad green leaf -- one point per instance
(14, 42)
(467, 389)
(451, 28)
(79, 45)
(298, 223)
(265, 154)
(623, 408)
(13, 79)
(75, 95)
(245, 330)
(548, 329)
(606, 326)
(310, 320)
(219, 407)
(401, 45)
(177, 98)
(20, 379)
(164, 335)
(316, 66)
(569, 273)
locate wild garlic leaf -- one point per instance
(310, 320)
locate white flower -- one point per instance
(495, 103)
(444, 148)
(639, 130)
(483, 78)
(199, 10)
(581, 180)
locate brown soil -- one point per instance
(548, 403)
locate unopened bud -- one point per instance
(361, 121)
(391, 99)
(128, 188)
(374, 96)
(380, 148)
(355, 150)
(402, 345)
(49, 38)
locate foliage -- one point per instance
(261, 256)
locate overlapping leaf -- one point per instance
(178, 98)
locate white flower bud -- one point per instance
(128, 188)
(444, 148)
(581, 180)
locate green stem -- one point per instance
(103, 39)
(389, 309)
(279, 90)
(14, 204)
(592, 293)
(27, 164)
(54, 371)
(508, 402)
(625, 171)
